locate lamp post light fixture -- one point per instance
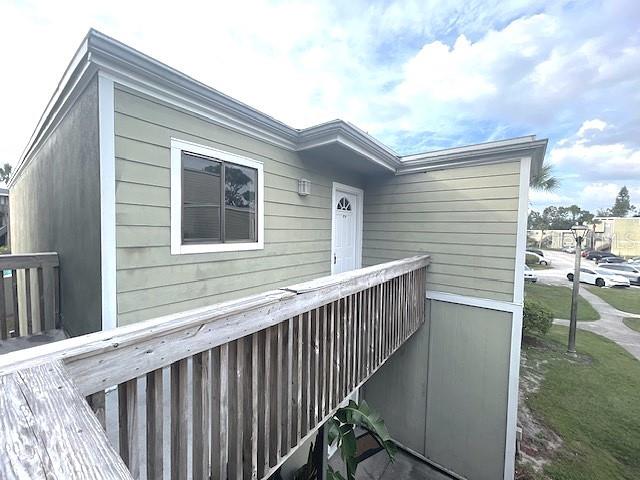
(579, 232)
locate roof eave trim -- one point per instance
(478, 156)
(350, 137)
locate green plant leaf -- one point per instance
(364, 416)
(333, 430)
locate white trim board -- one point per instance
(516, 324)
(106, 126)
(521, 235)
(359, 193)
(177, 247)
(487, 303)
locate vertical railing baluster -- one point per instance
(280, 392)
(16, 313)
(289, 396)
(250, 408)
(201, 420)
(316, 365)
(236, 409)
(154, 427)
(308, 374)
(48, 294)
(128, 425)
(179, 419)
(265, 452)
(220, 413)
(298, 380)
(27, 300)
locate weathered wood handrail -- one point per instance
(29, 296)
(259, 375)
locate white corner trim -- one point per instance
(512, 395)
(521, 236)
(177, 247)
(106, 119)
(359, 193)
(516, 322)
(487, 303)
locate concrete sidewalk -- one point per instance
(610, 324)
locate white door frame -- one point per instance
(359, 193)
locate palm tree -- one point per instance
(5, 173)
(544, 180)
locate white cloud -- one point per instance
(418, 73)
(595, 124)
(584, 153)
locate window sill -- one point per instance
(215, 247)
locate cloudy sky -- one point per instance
(419, 75)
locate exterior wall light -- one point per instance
(304, 187)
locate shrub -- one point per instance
(536, 318)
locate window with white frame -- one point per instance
(216, 200)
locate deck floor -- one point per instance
(20, 343)
(405, 467)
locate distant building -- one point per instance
(4, 216)
(554, 239)
(620, 235)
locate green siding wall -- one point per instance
(55, 207)
(465, 218)
(151, 281)
(444, 393)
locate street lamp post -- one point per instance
(578, 232)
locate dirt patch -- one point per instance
(539, 443)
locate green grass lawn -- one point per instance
(591, 403)
(558, 300)
(625, 299)
(632, 323)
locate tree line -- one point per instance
(562, 218)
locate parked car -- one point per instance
(597, 254)
(600, 277)
(535, 259)
(610, 260)
(537, 251)
(628, 270)
(569, 249)
(529, 275)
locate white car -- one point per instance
(529, 275)
(538, 259)
(627, 270)
(600, 277)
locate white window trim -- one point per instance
(177, 247)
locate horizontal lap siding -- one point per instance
(465, 218)
(151, 281)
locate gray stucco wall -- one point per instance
(152, 282)
(444, 393)
(55, 207)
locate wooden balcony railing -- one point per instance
(29, 294)
(228, 391)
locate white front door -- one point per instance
(346, 235)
